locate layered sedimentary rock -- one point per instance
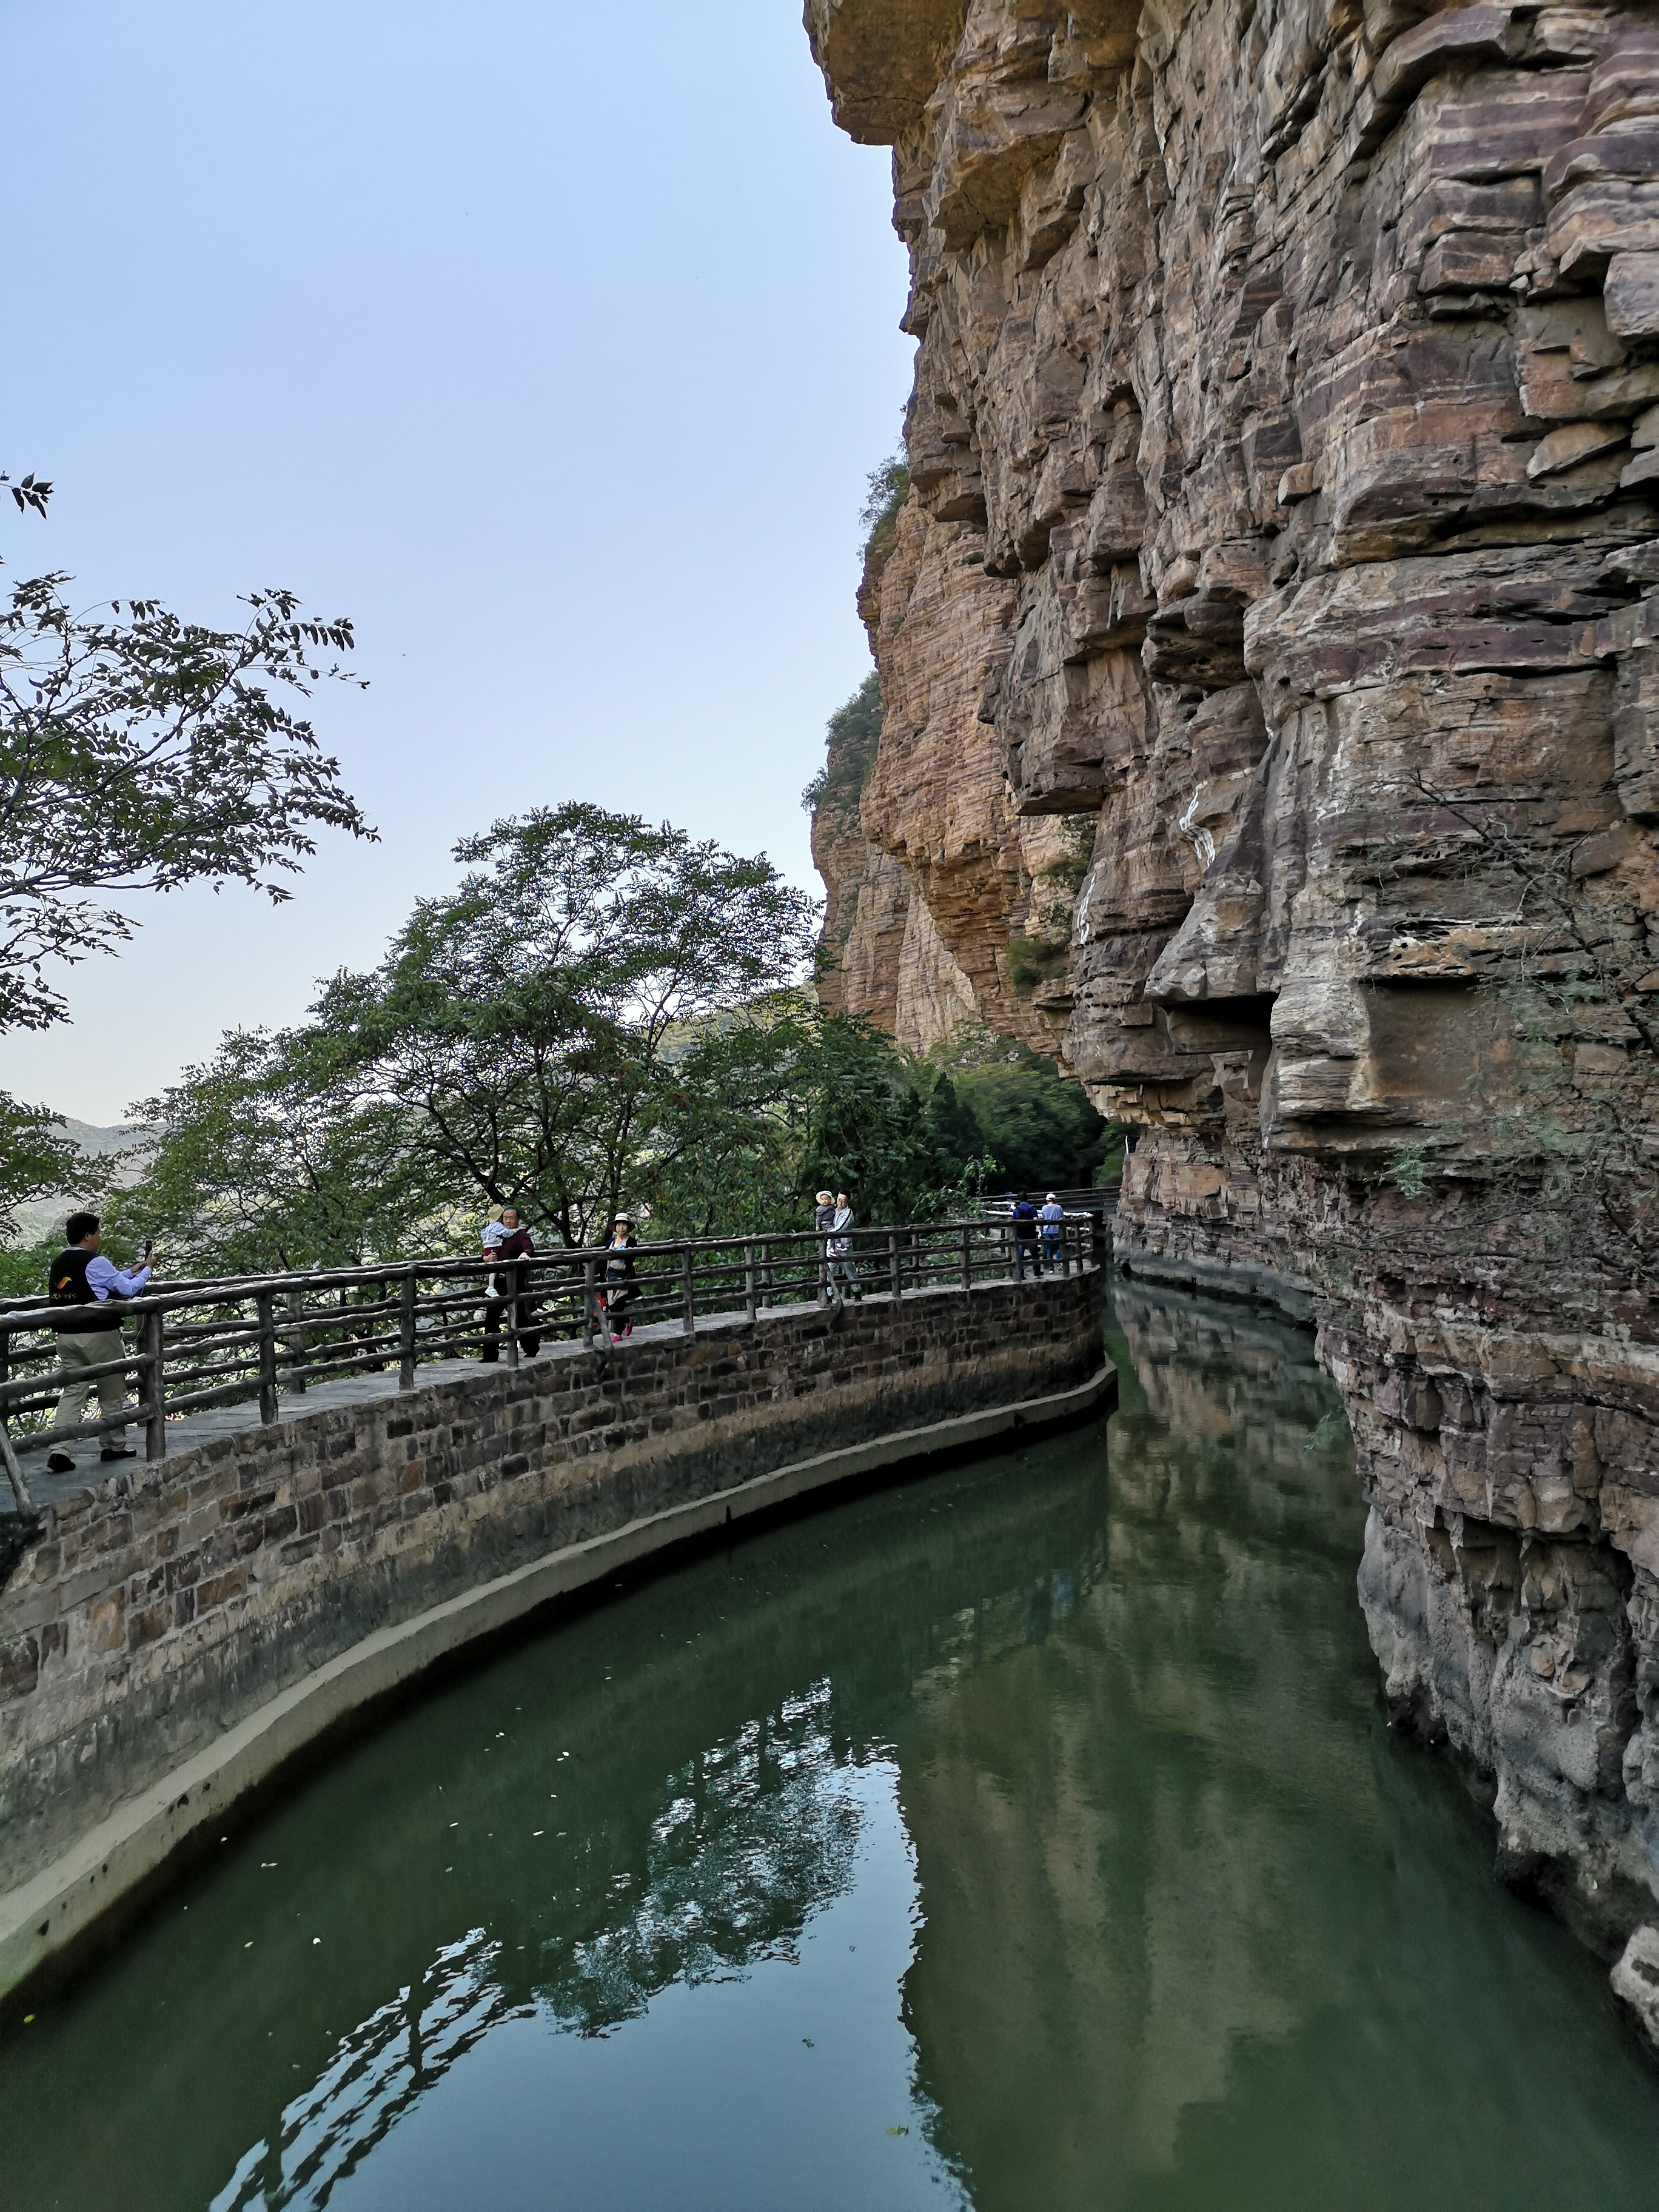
(1285, 452)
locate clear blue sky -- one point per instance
(552, 342)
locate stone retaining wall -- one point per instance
(154, 1612)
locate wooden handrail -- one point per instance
(251, 1336)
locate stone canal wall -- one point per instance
(155, 1615)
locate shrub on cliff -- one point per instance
(889, 487)
(850, 740)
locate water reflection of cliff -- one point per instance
(1122, 1880)
(1188, 1928)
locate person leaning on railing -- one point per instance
(1052, 1217)
(621, 1285)
(84, 1286)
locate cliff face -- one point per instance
(1285, 453)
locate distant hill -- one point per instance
(44, 1216)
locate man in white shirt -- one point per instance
(83, 1283)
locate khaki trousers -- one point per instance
(92, 1351)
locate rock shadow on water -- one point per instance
(1197, 1927)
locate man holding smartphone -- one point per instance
(87, 1288)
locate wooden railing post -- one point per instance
(265, 1303)
(749, 1277)
(893, 1265)
(967, 1259)
(406, 1331)
(19, 1490)
(590, 1303)
(296, 1342)
(689, 1322)
(152, 1351)
(766, 1272)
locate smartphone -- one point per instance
(149, 1246)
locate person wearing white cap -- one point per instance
(1052, 1215)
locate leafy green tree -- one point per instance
(529, 1026)
(783, 1103)
(270, 1162)
(34, 1160)
(867, 1131)
(23, 1270)
(138, 752)
(998, 1100)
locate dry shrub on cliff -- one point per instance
(1565, 976)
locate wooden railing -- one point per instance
(213, 1343)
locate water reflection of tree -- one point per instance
(754, 1835)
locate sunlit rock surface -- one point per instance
(1285, 449)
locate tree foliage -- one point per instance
(139, 752)
(602, 1013)
(1035, 1127)
(539, 1037)
(270, 1161)
(34, 1159)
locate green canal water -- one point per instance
(1026, 1837)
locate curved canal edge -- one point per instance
(86, 1890)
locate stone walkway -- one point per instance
(186, 1431)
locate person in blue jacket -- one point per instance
(1026, 1236)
